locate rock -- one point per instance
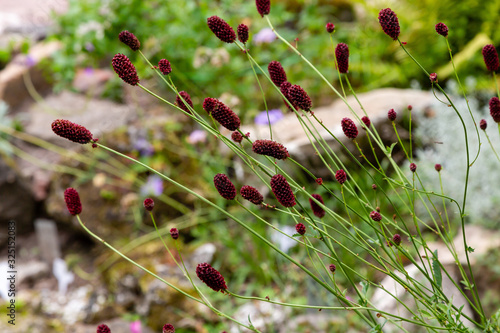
(262, 314)
(91, 81)
(48, 240)
(13, 88)
(385, 302)
(17, 202)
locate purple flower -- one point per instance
(266, 35)
(135, 327)
(275, 115)
(197, 136)
(152, 187)
(89, 47)
(88, 71)
(30, 61)
(143, 147)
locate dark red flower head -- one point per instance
(130, 40)
(391, 114)
(72, 200)
(397, 239)
(125, 69)
(282, 191)
(263, 7)
(495, 109)
(300, 228)
(164, 66)
(330, 27)
(221, 29)
(342, 55)
(332, 268)
(174, 233)
(483, 124)
(224, 186)
(319, 181)
(276, 73)
(317, 210)
(211, 277)
(341, 176)
(413, 167)
(242, 33)
(72, 131)
(442, 29)
(149, 204)
(103, 328)
(389, 22)
(225, 116)
(251, 194)
(375, 216)
(285, 88)
(299, 97)
(410, 107)
(168, 328)
(180, 103)
(349, 128)
(209, 104)
(438, 167)
(366, 121)
(270, 148)
(490, 57)
(237, 137)
(433, 77)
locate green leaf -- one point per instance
(389, 149)
(437, 270)
(470, 249)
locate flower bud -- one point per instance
(366, 121)
(174, 233)
(433, 77)
(332, 268)
(72, 200)
(375, 216)
(490, 57)
(276, 73)
(168, 328)
(180, 103)
(125, 69)
(442, 29)
(495, 109)
(282, 191)
(342, 55)
(483, 124)
(72, 131)
(242, 33)
(270, 148)
(300, 228)
(130, 40)
(389, 22)
(341, 176)
(211, 277)
(413, 167)
(221, 29)
(317, 210)
(103, 328)
(330, 27)
(164, 66)
(397, 239)
(226, 117)
(263, 7)
(149, 204)
(349, 128)
(438, 167)
(209, 104)
(224, 186)
(391, 114)
(251, 194)
(299, 97)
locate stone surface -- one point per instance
(48, 240)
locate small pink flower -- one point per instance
(135, 327)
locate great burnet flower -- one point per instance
(332, 268)
(375, 216)
(251, 194)
(442, 29)
(396, 239)
(495, 109)
(224, 186)
(330, 27)
(72, 200)
(164, 66)
(433, 77)
(490, 57)
(125, 69)
(103, 328)
(174, 233)
(237, 137)
(270, 148)
(211, 277)
(413, 167)
(299, 97)
(276, 73)
(317, 210)
(130, 40)
(342, 55)
(366, 121)
(180, 103)
(221, 29)
(263, 7)
(300, 228)
(242, 33)
(226, 117)
(349, 128)
(391, 114)
(148, 204)
(438, 167)
(282, 191)
(389, 23)
(483, 124)
(72, 131)
(341, 176)
(168, 328)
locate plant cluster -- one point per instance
(373, 238)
